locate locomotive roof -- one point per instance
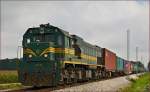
(47, 26)
(36, 29)
(85, 42)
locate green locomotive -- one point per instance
(52, 56)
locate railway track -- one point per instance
(48, 89)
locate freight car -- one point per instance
(109, 59)
(140, 67)
(127, 67)
(52, 56)
(120, 65)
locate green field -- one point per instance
(9, 80)
(8, 77)
(140, 85)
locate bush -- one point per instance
(139, 85)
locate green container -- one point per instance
(120, 64)
(135, 67)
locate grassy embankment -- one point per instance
(9, 80)
(140, 85)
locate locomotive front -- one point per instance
(39, 66)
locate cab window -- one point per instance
(43, 38)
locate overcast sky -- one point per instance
(97, 22)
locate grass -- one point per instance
(9, 80)
(8, 76)
(10, 86)
(140, 85)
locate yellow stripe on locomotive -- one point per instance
(66, 51)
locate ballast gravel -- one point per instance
(110, 85)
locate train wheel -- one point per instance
(66, 76)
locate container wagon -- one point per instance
(109, 59)
(119, 65)
(127, 67)
(131, 66)
(135, 67)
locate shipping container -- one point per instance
(109, 59)
(127, 67)
(135, 67)
(119, 64)
(140, 66)
(131, 66)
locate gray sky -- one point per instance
(97, 22)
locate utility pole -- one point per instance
(128, 44)
(137, 53)
(149, 46)
(149, 42)
(141, 59)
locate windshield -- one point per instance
(43, 38)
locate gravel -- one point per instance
(111, 85)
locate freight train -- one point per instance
(52, 56)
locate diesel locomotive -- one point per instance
(52, 56)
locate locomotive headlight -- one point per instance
(45, 55)
(30, 56)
